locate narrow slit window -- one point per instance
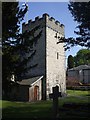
(57, 55)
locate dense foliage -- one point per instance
(70, 61)
(81, 13)
(15, 45)
(82, 57)
(12, 15)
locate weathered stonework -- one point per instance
(49, 56)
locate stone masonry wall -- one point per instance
(55, 56)
(39, 57)
(49, 56)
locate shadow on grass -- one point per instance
(68, 110)
(75, 111)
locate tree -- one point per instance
(12, 15)
(82, 57)
(70, 62)
(15, 46)
(81, 13)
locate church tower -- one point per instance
(49, 59)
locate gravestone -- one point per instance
(55, 96)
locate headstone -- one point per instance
(55, 96)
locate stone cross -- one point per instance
(55, 96)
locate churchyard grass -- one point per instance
(78, 93)
(0, 104)
(72, 106)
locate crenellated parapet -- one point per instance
(43, 21)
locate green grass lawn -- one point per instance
(43, 109)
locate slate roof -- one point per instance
(29, 81)
(81, 67)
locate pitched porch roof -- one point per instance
(30, 81)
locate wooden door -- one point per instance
(36, 93)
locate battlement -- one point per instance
(45, 20)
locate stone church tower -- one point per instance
(50, 56)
